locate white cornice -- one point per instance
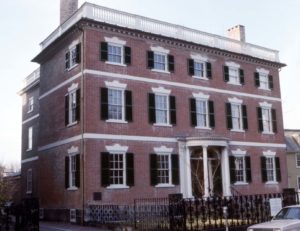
(73, 150)
(163, 150)
(161, 90)
(116, 148)
(265, 105)
(160, 50)
(238, 152)
(115, 40)
(199, 57)
(235, 100)
(232, 64)
(29, 159)
(31, 118)
(73, 87)
(269, 153)
(200, 95)
(115, 84)
(263, 71)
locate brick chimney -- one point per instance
(67, 8)
(237, 33)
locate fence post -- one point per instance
(176, 212)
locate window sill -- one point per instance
(72, 124)
(29, 111)
(204, 128)
(118, 187)
(72, 188)
(161, 71)
(237, 130)
(164, 186)
(72, 67)
(117, 64)
(117, 121)
(271, 183)
(163, 125)
(29, 149)
(200, 78)
(240, 183)
(29, 192)
(267, 133)
(236, 84)
(264, 89)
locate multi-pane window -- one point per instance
(266, 119)
(199, 69)
(115, 53)
(163, 169)
(30, 104)
(115, 104)
(263, 80)
(72, 171)
(30, 136)
(298, 160)
(236, 114)
(72, 107)
(240, 169)
(29, 181)
(72, 57)
(161, 109)
(160, 61)
(270, 169)
(117, 170)
(234, 75)
(202, 113)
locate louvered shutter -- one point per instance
(190, 64)
(66, 110)
(263, 169)
(127, 55)
(228, 115)
(103, 51)
(193, 112)
(128, 106)
(172, 109)
(248, 169)
(274, 120)
(271, 85)
(175, 169)
(242, 78)
(226, 73)
(77, 109)
(77, 173)
(256, 79)
(67, 60)
(67, 172)
(211, 112)
(150, 59)
(245, 118)
(129, 169)
(151, 104)
(171, 63)
(208, 70)
(104, 103)
(78, 53)
(105, 176)
(153, 169)
(278, 171)
(232, 169)
(259, 119)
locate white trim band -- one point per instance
(31, 118)
(29, 159)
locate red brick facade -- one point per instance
(92, 135)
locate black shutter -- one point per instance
(208, 70)
(151, 104)
(67, 60)
(171, 63)
(278, 172)
(274, 121)
(232, 169)
(103, 51)
(256, 79)
(104, 103)
(259, 119)
(245, 118)
(128, 106)
(271, 85)
(77, 109)
(67, 172)
(175, 169)
(127, 56)
(77, 173)
(263, 169)
(193, 112)
(190, 64)
(226, 73)
(248, 169)
(78, 53)
(150, 59)
(66, 110)
(129, 169)
(105, 178)
(172, 109)
(153, 169)
(228, 115)
(242, 78)
(211, 112)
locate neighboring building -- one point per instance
(292, 139)
(129, 107)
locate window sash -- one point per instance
(264, 81)
(236, 115)
(199, 69)
(72, 107)
(115, 104)
(72, 171)
(30, 104)
(266, 119)
(117, 169)
(163, 169)
(115, 53)
(240, 170)
(234, 75)
(202, 113)
(30, 133)
(161, 109)
(270, 168)
(160, 61)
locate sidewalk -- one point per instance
(57, 226)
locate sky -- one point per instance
(24, 24)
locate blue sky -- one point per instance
(25, 23)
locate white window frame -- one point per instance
(233, 67)
(200, 97)
(29, 181)
(72, 55)
(234, 102)
(72, 107)
(162, 52)
(166, 152)
(30, 139)
(267, 122)
(162, 92)
(297, 157)
(115, 42)
(72, 152)
(117, 86)
(201, 60)
(117, 149)
(238, 153)
(263, 79)
(30, 104)
(271, 156)
(73, 215)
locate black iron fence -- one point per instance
(176, 213)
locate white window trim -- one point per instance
(241, 153)
(71, 47)
(267, 106)
(73, 151)
(161, 91)
(202, 96)
(264, 72)
(236, 66)
(115, 41)
(116, 85)
(271, 154)
(30, 104)
(29, 174)
(73, 215)
(30, 139)
(237, 102)
(161, 51)
(165, 151)
(200, 59)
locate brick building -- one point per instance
(126, 107)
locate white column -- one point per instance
(226, 172)
(185, 170)
(205, 172)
